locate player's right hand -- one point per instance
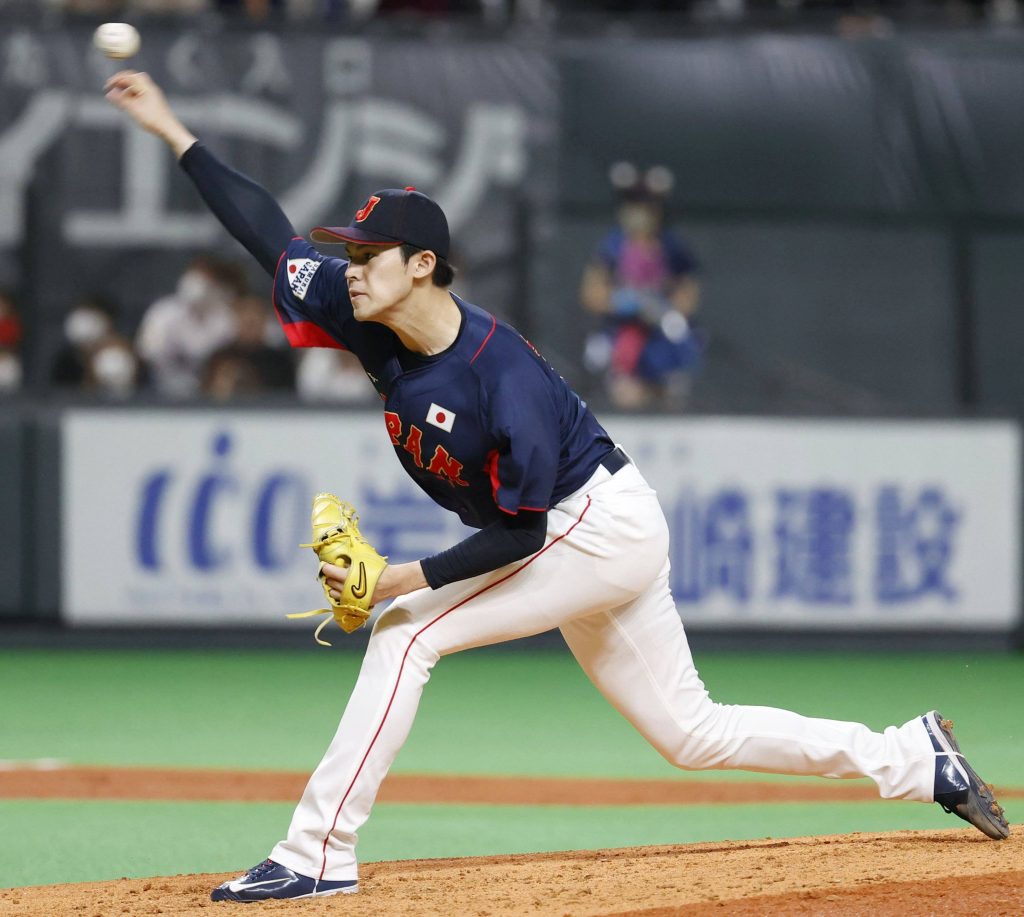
(139, 96)
(136, 93)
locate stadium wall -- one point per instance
(171, 518)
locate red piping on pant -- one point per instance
(401, 668)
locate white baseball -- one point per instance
(117, 40)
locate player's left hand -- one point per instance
(395, 580)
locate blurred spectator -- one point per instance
(10, 344)
(131, 7)
(428, 7)
(88, 322)
(95, 358)
(92, 7)
(179, 332)
(113, 370)
(255, 10)
(333, 376)
(251, 363)
(861, 24)
(642, 284)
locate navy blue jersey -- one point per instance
(486, 427)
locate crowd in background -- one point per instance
(211, 338)
(642, 341)
(298, 9)
(876, 12)
(208, 339)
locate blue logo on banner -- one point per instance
(201, 551)
(813, 533)
(273, 516)
(713, 547)
(392, 520)
(915, 545)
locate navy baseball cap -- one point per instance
(390, 216)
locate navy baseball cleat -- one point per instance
(270, 880)
(958, 788)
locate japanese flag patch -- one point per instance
(441, 417)
(300, 274)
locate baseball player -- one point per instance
(569, 535)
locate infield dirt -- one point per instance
(956, 872)
(907, 873)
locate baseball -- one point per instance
(117, 40)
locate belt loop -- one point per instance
(615, 460)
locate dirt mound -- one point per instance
(904, 874)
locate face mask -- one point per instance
(114, 370)
(194, 289)
(10, 372)
(84, 327)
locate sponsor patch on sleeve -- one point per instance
(300, 274)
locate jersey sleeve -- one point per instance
(311, 297)
(524, 465)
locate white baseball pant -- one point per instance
(602, 578)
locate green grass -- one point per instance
(482, 713)
(46, 842)
(498, 713)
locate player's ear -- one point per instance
(423, 263)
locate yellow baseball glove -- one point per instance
(336, 540)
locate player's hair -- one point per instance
(444, 273)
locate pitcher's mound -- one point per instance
(901, 874)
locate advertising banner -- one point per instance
(827, 524)
(197, 516)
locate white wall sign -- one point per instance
(828, 524)
(196, 516)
